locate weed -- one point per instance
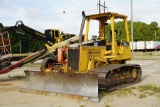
(103, 93)
(133, 87)
(125, 91)
(142, 96)
(122, 93)
(129, 90)
(149, 93)
(17, 77)
(82, 106)
(107, 105)
(153, 88)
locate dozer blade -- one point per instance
(82, 85)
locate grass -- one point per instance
(107, 105)
(18, 77)
(103, 93)
(150, 90)
(144, 90)
(142, 96)
(147, 53)
(125, 91)
(149, 87)
(149, 93)
(122, 93)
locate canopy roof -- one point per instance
(106, 16)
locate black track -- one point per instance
(106, 82)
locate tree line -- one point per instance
(142, 32)
(23, 42)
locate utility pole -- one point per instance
(99, 6)
(20, 42)
(132, 28)
(155, 33)
(20, 46)
(103, 6)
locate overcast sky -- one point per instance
(66, 14)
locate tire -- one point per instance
(46, 61)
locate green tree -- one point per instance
(142, 31)
(1, 25)
(27, 42)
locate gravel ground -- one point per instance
(11, 97)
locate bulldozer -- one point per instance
(91, 65)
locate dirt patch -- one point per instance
(9, 89)
(5, 84)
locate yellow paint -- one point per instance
(87, 30)
(40, 34)
(96, 56)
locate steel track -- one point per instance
(109, 83)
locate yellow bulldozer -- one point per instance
(91, 65)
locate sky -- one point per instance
(66, 15)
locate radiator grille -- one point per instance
(73, 58)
